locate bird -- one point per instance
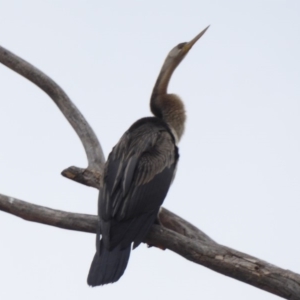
(137, 176)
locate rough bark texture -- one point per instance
(83, 176)
(173, 233)
(190, 242)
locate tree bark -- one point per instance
(173, 233)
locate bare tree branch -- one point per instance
(86, 134)
(176, 234)
(229, 262)
(175, 223)
(166, 217)
(83, 176)
(205, 252)
(48, 216)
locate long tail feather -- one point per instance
(108, 266)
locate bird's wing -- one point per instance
(138, 175)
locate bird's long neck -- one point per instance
(168, 107)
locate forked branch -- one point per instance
(175, 233)
(191, 243)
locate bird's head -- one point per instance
(177, 54)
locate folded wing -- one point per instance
(138, 174)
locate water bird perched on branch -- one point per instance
(137, 176)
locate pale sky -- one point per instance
(238, 177)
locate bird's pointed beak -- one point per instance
(189, 45)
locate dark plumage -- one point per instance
(137, 176)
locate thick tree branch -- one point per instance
(229, 262)
(86, 134)
(176, 234)
(205, 252)
(166, 218)
(48, 216)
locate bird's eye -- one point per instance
(180, 46)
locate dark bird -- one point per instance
(137, 176)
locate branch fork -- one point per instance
(173, 233)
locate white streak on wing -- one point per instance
(174, 173)
(174, 134)
(11, 200)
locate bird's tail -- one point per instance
(108, 266)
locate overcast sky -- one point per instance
(238, 178)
